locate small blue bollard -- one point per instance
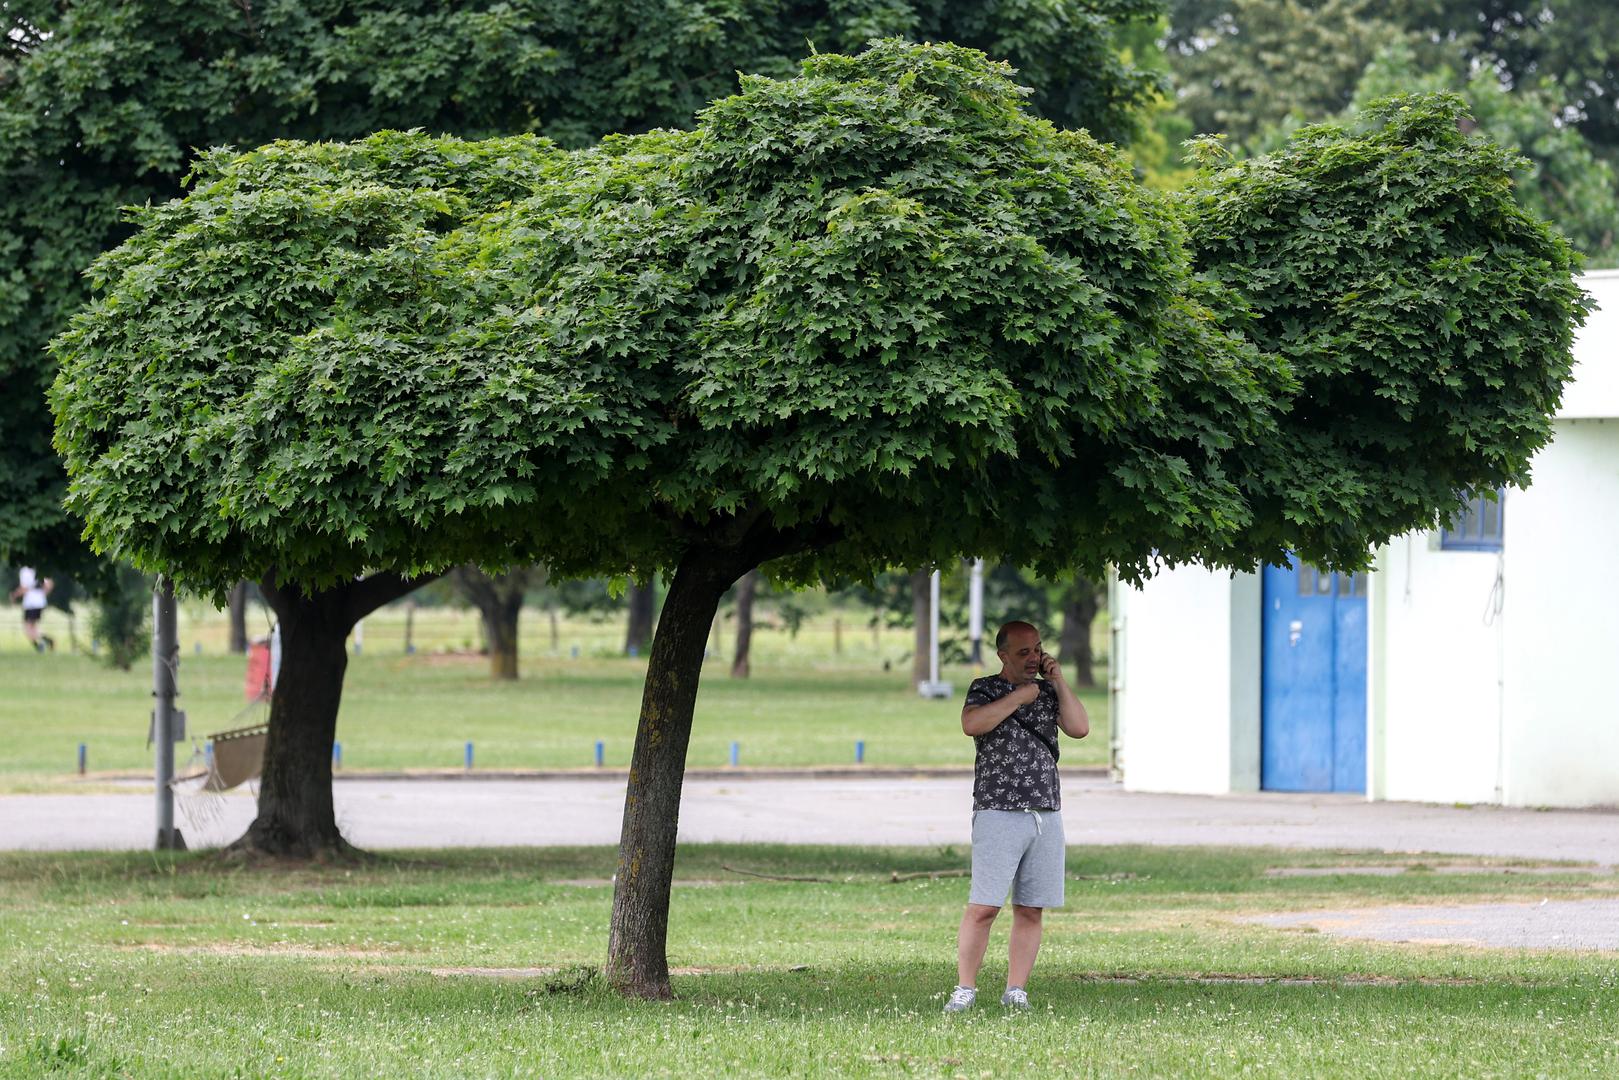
(197, 649)
(859, 751)
(735, 753)
(469, 755)
(634, 651)
(337, 755)
(82, 756)
(574, 652)
(600, 749)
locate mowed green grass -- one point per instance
(482, 963)
(805, 704)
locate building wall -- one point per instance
(1562, 623)
(1435, 693)
(1593, 392)
(1474, 695)
(1186, 723)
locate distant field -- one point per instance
(806, 704)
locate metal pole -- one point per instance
(933, 628)
(975, 610)
(165, 662)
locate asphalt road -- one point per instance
(381, 814)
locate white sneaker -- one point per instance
(961, 999)
(1015, 998)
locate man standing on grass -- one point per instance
(1018, 846)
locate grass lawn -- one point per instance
(143, 965)
(806, 704)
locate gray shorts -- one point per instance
(1018, 851)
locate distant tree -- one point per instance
(875, 315)
(236, 613)
(121, 621)
(742, 661)
(1563, 48)
(1256, 71)
(1566, 181)
(1081, 600)
(1257, 63)
(1245, 64)
(640, 601)
(499, 600)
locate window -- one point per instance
(1479, 527)
(1317, 582)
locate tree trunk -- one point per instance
(921, 610)
(639, 632)
(499, 601)
(238, 617)
(637, 962)
(295, 816)
(745, 588)
(1078, 612)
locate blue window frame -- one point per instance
(1479, 527)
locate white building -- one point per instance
(1475, 666)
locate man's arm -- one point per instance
(979, 719)
(1071, 714)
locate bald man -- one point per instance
(1014, 718)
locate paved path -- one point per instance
(1547, 924)
(878, 810)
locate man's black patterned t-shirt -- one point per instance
(1017, 761)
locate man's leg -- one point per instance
(1025, 944)
(972, 940)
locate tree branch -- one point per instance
(374, 590)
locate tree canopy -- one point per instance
(106, 103)
(880, 302)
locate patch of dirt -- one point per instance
(542, 972)
(1376, 870)
(459, 658)
(1583, 925)
(1219, 979)
(601, 882)
(245, 949)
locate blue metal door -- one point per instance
(1313, 690)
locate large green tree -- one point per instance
(105, 103)
(874, 315)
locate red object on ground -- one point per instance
(257, 685)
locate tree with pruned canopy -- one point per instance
(876, 315)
